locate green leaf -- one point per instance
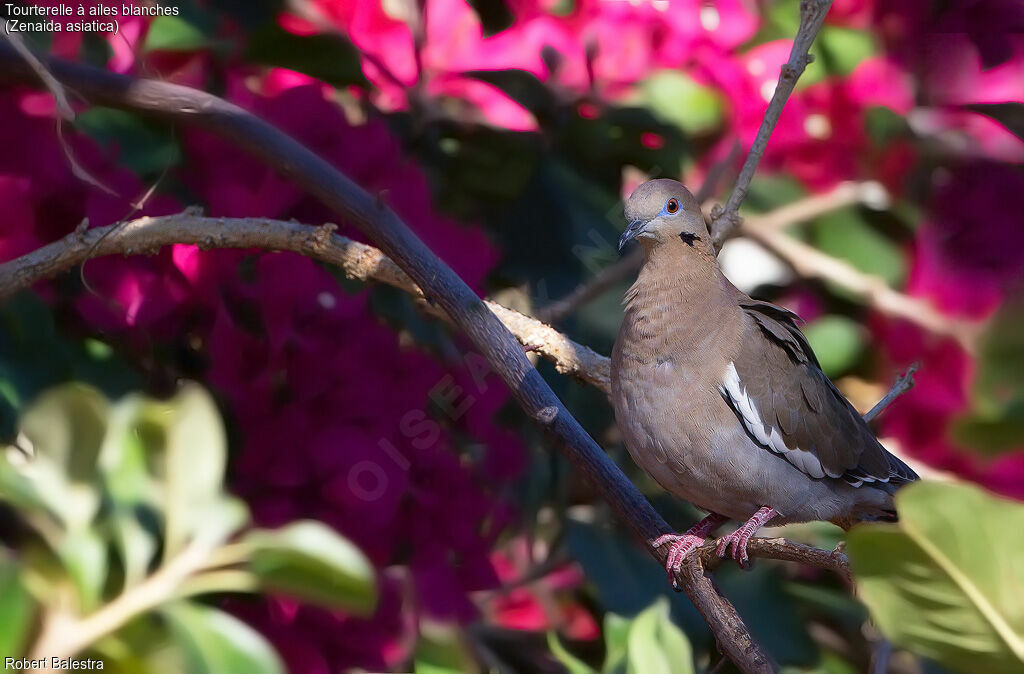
(946, 582)
(677, 98)
(616, 642)
(217, 643)
(145, 146)
(174, 33)
(995, 421)
(844, 48)
(65, 429)
(768, 192)
(195, 458)
(441, 649)
(310, 561)
(844, 234)
(66, 425)
(837, 341)
(568, 660)
(16, 608)
(331, 58)
(84, 555)
(656, 645)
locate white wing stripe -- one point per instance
(734, 391)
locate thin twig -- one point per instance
(55, 88)
(812, 15)
(904, 383)
(809, 262)
(64, 635)
(589, 290)
(869, 193)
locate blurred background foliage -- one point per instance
(371, 500)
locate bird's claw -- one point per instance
(738, 540)
(681, 546)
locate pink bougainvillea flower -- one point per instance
(615, 44)
(967, 258)
(544, 604)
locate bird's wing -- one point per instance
(788, 405)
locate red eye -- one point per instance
(672, 206)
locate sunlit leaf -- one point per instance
(677, 98)
(217, 643)
(441, 649)
(309, 560)
(174, 33)
(656, 645)
(195, 457)
(946, 581)
(84, 555)
(573, 664)
(843, 49)
(995, 421)
(16, 608)
(64, 429)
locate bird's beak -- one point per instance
(634, 228)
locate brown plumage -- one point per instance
(720, 398)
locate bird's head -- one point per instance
(662, 211)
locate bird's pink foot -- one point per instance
(684, 544)
(739, 538)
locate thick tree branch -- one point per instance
(812, 15)
(357, 260)
(439, 285)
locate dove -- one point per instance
(721, 400)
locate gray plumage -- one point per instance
(719, 396)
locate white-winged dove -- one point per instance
(721, 400)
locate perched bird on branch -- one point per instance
(721, 400)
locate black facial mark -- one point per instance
(688, 238)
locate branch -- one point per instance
(589, 290)
(64, 635)
(56, 89)
(359, 261)
(438, 283)
(904, 383)
(808, 261)
(869, 193)
(786, 550)
(812, 15)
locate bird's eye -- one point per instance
(672, 206)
